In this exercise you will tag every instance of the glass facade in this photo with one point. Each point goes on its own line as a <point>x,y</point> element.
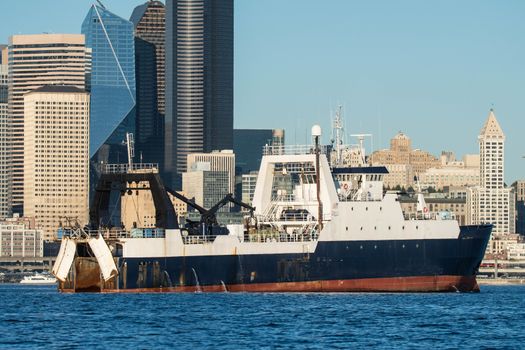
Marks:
<point>112,85</point>
<point>148,20</point>
<point>248,148</point>
<point>199,81</point>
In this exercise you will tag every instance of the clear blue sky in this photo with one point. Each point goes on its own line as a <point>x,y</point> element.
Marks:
<point>429,68</point>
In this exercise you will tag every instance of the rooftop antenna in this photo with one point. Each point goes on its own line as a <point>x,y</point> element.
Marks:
<point>361,139</point>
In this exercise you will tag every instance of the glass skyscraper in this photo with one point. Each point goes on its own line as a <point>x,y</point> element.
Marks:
<point>148,20</point>
<point>112,85</point>
<point>199,80</point>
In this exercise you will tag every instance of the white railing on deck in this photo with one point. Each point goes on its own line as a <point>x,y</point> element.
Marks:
<point>125,168</point>
<point>292,150</point>
<point>430,216</point>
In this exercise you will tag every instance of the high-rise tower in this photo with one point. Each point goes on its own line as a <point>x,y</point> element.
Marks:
<point>5,159</point>
<point>491,202</point>
<point>34,61</point>
<point>199,80</point>
<point>148,20</point>
<point>56,156</point>
<point>112,85</point>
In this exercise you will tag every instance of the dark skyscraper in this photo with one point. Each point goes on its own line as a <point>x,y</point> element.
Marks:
<point>199,80</point>
<point>148,20</point>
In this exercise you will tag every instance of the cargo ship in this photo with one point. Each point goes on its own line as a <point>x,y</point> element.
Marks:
<point>312,227</point>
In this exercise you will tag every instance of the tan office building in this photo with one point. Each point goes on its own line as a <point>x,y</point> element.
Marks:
<point>5,152</point>
<point>56,156</point>
<point>410,162</point>
<point>34,61</point>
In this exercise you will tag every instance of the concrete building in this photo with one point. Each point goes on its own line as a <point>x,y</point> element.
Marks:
<point>248,186</point>
<point>409,162</point>
<point>56,156</point>
<point>20,241</point>
<point>199,80</point>
<point>34,61</point>
<point>455,176</point>
<point>207,187</point>
<point>218,161</point>
<point>491,202</point>
<point>149,22</point>
<point>5,149</point>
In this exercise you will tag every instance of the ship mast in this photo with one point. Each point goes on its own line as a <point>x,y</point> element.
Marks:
<point>130,144</point>
<point>337,136</point>
<point>316,134</point>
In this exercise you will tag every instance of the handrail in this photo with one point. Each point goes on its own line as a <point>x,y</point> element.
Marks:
<point>125,168</point>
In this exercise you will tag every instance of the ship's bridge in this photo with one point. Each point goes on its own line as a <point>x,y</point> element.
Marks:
<point>288,191</point>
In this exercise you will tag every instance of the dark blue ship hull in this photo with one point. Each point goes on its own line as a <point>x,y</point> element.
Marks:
<point>386,265</point>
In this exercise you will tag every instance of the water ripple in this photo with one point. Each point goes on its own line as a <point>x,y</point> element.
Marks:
<point>41,318</point>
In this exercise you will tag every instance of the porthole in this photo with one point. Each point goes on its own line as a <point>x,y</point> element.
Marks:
<point>375,227</point>
<point>347,228</point>
<point>389,227</point>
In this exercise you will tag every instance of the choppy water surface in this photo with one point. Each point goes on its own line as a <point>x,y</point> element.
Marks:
<point>40,317</point>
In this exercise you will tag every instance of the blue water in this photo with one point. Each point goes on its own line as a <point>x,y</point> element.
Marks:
<point>40,317</point>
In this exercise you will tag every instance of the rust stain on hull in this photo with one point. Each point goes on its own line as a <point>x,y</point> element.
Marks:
<point>395,284</point>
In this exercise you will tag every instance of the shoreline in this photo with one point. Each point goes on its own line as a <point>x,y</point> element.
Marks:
<point>501,281</point>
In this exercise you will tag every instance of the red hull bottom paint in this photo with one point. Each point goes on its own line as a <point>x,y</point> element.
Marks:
<point>392,284</point>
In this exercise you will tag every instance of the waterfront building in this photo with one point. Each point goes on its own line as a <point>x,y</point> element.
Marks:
<point>56,156</point>
<point>199,80</point>
<point>491,202</point>
<point>439,178</point>
<point>409,162</point>
<point>148,20</point>
<point>34,61</point>
<point>112,86</point>
<point>248,186</point>
<point>5,153</point>
<point>519,190</point>
<point>206,187</point>
<point>218,161</point>
<point>19,240</point>
<point>399,176</point>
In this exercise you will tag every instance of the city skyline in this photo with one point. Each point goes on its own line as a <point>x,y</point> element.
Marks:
<point>435,83</point>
